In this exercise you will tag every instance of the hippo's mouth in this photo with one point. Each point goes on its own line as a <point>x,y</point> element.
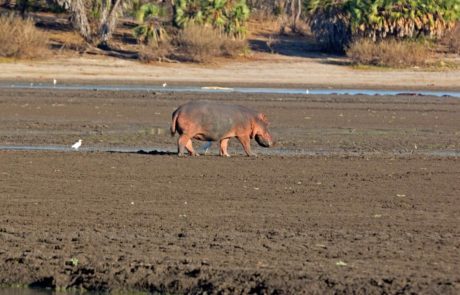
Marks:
<point>262,142</point>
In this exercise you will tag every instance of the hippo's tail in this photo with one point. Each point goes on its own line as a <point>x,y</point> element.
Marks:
<point>174,122</point>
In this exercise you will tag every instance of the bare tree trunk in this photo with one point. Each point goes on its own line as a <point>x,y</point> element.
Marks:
<point>292,10</point>
<point>108,22</point>
<point>297,16</point>
<point>79,19</point>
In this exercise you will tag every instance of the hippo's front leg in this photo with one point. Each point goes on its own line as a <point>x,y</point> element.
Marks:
<point>223,147</point>
<point>246,143</point>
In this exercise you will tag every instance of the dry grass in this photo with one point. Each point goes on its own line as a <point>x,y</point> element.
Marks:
<point>155,52</point>
<point>21,39</point>
<point>263,22</point>
<point>67,40</point>
<point>454,40</point>
<point>199,43</point>
<point>203,43</point>
<point>389,53</point>
<point>233,47</point>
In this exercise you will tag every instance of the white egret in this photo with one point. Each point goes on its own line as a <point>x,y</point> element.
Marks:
<point>76,145</point>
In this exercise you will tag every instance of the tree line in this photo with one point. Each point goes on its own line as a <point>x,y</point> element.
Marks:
<point>335,23</point>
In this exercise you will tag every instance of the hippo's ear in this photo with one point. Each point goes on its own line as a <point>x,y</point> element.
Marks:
<point>263,118</point>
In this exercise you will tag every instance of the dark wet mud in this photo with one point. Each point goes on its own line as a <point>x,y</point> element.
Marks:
<point>365,221</point>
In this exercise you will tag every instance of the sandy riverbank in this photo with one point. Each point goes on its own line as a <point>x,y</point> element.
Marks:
<point>260,70</point>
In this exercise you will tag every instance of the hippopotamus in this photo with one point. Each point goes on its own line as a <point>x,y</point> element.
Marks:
<point>215,121</point>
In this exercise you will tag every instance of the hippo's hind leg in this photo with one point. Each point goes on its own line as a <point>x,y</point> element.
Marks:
<point>246,143</point>
<point>184,142</point>
<point>223,147</point>
<point>181,142</point>
<point>190,148</point>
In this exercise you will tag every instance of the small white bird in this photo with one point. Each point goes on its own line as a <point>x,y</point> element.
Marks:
<point>76,145</point>
<point>164,84</point>
<point>307,92</point>
<point>54,82</point>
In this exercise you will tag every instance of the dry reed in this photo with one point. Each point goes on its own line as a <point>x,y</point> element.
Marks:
<point>20,38</point>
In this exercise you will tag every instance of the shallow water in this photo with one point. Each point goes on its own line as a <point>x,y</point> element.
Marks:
<point>277,151</point>
<point>216,89</point>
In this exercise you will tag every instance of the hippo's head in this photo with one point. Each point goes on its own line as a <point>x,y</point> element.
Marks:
<point>260,131</point>
<point>262,141</point>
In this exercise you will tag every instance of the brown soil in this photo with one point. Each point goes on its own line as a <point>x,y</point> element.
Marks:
<point>373,223</point>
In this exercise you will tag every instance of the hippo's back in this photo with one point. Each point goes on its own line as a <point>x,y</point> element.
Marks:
<point>203,106</point>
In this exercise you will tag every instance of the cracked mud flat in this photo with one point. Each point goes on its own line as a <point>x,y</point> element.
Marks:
<point>374,222</point>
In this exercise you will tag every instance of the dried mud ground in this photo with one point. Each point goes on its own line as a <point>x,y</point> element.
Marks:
<point>374,211</point>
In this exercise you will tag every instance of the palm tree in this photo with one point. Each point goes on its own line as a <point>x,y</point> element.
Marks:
<point>150,30</point>
<point>215,13</point>
<point>229,16</point>
<point>237,14</point>
<point>189,12</point>
<point>330,23</point>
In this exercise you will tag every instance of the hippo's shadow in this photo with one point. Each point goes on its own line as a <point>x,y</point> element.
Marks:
<point>152,152</point>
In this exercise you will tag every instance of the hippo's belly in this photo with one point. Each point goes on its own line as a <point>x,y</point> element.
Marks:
<point>214,127</point>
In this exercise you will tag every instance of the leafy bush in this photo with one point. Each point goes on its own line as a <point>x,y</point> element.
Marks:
<point>389,53</point>
<point>21,39</point>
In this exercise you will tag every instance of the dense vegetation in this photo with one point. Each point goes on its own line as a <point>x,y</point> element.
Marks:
<point>229,16</point>
<point>197,29</point>
<point>336,23</point>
